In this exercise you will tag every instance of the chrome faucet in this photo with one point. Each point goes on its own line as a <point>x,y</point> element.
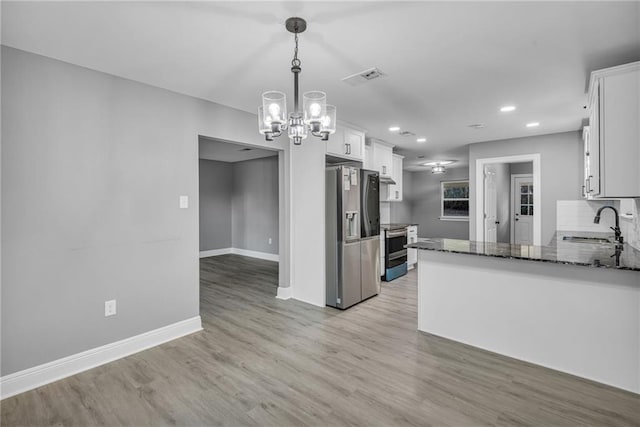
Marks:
<point>618,234</point>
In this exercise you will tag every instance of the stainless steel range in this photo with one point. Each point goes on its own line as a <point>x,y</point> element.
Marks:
<point>395,253</point>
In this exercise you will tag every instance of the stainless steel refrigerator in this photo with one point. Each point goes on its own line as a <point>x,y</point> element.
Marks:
<point>352,263</point>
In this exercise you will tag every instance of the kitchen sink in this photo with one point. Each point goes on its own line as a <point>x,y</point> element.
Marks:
<point>577,239</point>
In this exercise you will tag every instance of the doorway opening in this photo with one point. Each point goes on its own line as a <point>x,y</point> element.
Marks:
<point>508,200</point>
<point>239,199</point>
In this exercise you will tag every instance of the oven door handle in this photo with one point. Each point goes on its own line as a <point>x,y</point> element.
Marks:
<point>398,254</point>
<point>400,233</point>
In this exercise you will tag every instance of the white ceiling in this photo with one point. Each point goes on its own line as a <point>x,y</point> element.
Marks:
<point>222,151</point>
<point>449,64</point>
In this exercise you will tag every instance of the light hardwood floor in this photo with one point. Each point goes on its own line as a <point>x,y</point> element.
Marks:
<point>263,361</point>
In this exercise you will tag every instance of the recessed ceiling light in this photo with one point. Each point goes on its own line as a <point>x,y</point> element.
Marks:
<point>421,140</point>
<point>533,124</point>
<point>477,126</point>
<point>394,128</point>
<point>508,108</point>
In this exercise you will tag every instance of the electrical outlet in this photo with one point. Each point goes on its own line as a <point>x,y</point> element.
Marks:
<point>110,308</point>
<point>270,240</point>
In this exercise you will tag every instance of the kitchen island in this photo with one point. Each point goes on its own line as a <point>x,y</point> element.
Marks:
<point>573,307</point>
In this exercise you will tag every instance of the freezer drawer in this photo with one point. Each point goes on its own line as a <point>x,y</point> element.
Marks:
<point>370,267</point>
<point>349,292</point>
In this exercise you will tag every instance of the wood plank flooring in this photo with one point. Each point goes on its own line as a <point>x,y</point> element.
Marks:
<point>263,361</point>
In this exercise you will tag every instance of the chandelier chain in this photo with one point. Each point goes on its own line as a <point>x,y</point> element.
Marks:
<point>295,62</point>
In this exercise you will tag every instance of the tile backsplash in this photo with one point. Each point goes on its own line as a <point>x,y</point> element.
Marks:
<point>629,221</point>
<point>577,215</point>
<point>385,213</point>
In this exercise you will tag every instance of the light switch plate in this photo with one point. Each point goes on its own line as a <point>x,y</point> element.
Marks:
<point>109,308</point>
<point>184,202</point>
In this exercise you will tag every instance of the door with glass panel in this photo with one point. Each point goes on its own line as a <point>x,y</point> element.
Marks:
<point>522,196</point>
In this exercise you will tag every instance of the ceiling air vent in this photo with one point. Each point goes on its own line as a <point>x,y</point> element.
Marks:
<point>364,76</point>
<point>406,133</point>
<point>477,126</point>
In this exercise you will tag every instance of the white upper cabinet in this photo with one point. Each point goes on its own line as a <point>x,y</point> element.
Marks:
<point>395,190</point>
<point>382,158</point>
<point>612,144</point>
<point>347,143</point>
<point>368,158</point>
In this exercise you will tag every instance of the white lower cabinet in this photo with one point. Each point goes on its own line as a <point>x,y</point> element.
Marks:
<point>412,254</point>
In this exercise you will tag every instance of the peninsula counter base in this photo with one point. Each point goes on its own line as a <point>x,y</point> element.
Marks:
<point>581,320</point>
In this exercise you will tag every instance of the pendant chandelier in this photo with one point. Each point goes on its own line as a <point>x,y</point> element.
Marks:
<point>316,117</point>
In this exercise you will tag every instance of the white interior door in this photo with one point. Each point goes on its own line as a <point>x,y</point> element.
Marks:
<point>522,196</point>
<point>490,204</point>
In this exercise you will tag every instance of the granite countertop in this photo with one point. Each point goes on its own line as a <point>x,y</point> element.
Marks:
<point>558,251</point>
<point>395,226</point>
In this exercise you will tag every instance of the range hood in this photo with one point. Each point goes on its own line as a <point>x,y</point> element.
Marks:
<point>386,180</point>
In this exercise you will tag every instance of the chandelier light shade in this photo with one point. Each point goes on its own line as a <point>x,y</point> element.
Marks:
<point>316,117</point>
<point>438,169</point>
<point>264,123</point>
<point>314,105</point>
<point>328,125</point>
<point>274,104</point>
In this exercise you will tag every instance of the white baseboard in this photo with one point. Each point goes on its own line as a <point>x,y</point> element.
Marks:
<point>28,379</point>
<point>256,254</point>
<point>284,293</point>
<point>215,252</point>
<point>243,252</point>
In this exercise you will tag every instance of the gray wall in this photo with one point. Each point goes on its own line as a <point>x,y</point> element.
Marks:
<point>401,211</point>
<point>92,169</point>
<point>561,170</point>
<point>520,168</point>
<point>255,205</point>
<point>216,189</point>
<point>425,204</point>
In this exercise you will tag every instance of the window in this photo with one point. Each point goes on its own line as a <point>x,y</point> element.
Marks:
<point>454,196</point>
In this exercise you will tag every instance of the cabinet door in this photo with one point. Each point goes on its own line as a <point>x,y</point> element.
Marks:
<point>593,180</point>
<point>585,181</point>
<point>620,135</point>
<point>412,237</point>
<point>382,159</point>
<point>335,144</point>
<point>354,143</point>
<point>368,158</point>
<point>395,191</point>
